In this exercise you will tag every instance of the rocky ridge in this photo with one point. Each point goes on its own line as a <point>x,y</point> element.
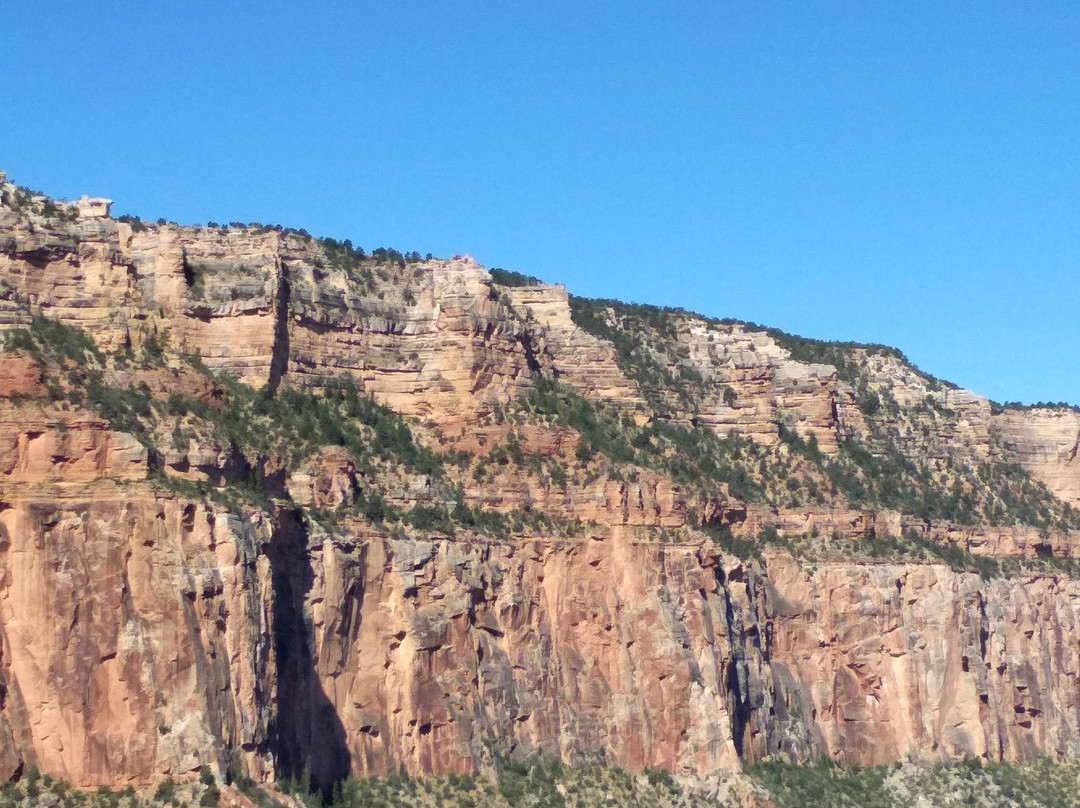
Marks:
<point>268,503</point>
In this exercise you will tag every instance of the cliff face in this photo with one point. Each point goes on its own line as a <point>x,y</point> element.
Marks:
<point>650,539</point>
<point>672,656</point>
<point>1045,442</point>
<point>134,626</point>
<point>430,339</point>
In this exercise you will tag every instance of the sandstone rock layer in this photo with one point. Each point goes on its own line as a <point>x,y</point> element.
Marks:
<point>146,630</point>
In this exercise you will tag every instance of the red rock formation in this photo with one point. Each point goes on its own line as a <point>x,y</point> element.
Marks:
<point>144,634</point>
<point>134,626</point>
<point>19,376</point>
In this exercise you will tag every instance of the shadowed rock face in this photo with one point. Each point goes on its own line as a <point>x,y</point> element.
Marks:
<point>307,732</point>
<point>143,634</point>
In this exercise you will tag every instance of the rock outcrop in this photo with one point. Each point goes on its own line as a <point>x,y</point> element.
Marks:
<point>1045,442</point>
<point>355,615</point>
<point>135,642</point>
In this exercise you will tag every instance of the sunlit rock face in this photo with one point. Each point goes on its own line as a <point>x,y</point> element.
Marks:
<point>1045,442</point>
<point>148,630</point>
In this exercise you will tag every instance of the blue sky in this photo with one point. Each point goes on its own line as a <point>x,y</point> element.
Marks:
<point>897,172</point>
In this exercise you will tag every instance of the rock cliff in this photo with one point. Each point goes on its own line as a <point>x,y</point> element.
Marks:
<point>269,503</point>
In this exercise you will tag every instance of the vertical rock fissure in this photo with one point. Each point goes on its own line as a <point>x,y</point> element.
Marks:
<point>984,633</point>
<point>531,360</point>
<point>187,269</point>
<point>737,678</point>
<point>279,357</point>
<point>307,737</point>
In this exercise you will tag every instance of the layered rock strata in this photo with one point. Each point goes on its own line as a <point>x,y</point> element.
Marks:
<point>134,631</point>
<point>1046,442</point>
<point>145,632</point>
<point>437,340</point>
<point>145,636</point>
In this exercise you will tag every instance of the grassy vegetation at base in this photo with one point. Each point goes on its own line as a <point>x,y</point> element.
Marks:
<point>519,786</point>
<point>33,789</point>
<point>1041,783</point>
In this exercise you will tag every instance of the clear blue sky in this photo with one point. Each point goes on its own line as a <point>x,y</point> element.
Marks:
<point>898,172</point>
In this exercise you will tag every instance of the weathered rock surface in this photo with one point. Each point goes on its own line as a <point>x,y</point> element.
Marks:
<point>138,651</point>
<point>574,357</point>
<point>134,639</point>
<point>924,662</point>
<point>19,376</point>
<point>1045,442</point>
<point>143,633</point>
<point>436,340</point>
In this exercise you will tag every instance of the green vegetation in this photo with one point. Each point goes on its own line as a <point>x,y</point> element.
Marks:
<point>271,434</point>
<point>264,429</point>
<point>212,794</point>
<point>690,456</point>
<point>386,255</point>
<point>645,339</point>
<point>24,200</point>
<point>588,313</point>
<point>518,785</point>
<point>16,200</point>
<point>987,492</point>
<point>839,354</point>
<point>33,788</point>
<point>293,424</point>
<point>195,278</point>
<point>997,408</point>
<point>268,435</point>
<point>740,547</point>
<point>824,784</point>
<point>961,490</point>
<point>869,403</point>
<point>352,260</point>
<point>51,341</point>
<point>343,254</point>
<point>137,224</point>
<point>908,548</point>
<point>1041,783</point>
<point>274,433</point>
<point>899,462</point>
<point>506,277</point>
<point>125,408</point>
<point>383,263</point>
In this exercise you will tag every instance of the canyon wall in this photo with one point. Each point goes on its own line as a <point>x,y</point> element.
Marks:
<point>147,629</point>
<point>134,625</point>
<point>439,341</point>
<point>144,636</point>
